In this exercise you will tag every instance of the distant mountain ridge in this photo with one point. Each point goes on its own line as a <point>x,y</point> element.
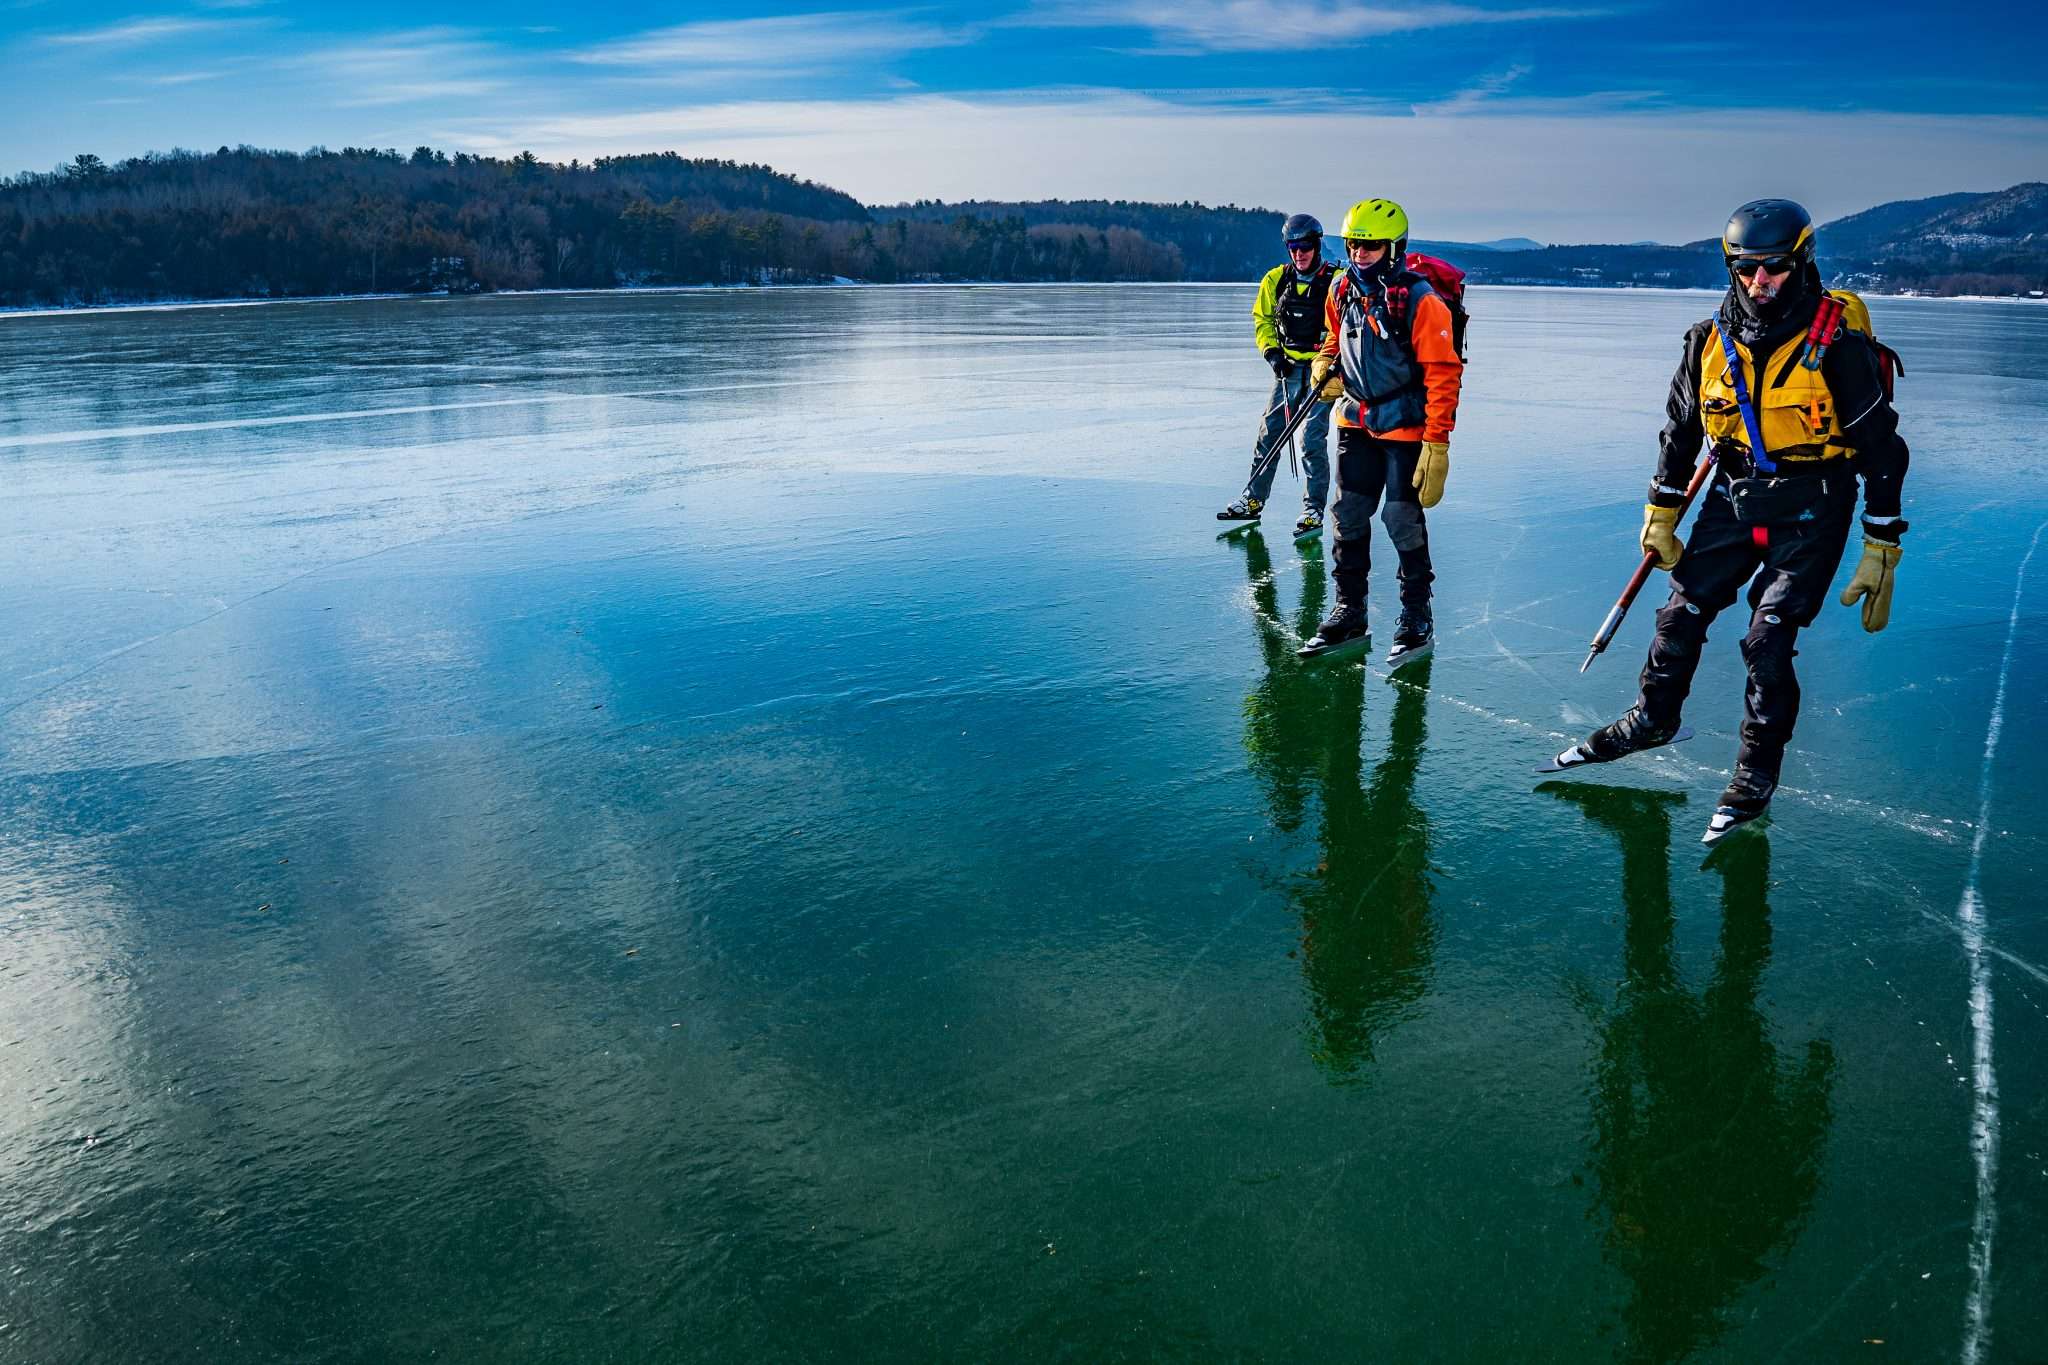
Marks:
<point>1969,243</point>
<point>1870,230</point>
<point>1995,243</point>
<point>1956,243</point>
<point>250,223</point>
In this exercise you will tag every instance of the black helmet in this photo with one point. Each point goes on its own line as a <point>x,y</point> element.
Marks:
<point>1302,227</point>
<point>1772,231</point>
<point>1769,227</point>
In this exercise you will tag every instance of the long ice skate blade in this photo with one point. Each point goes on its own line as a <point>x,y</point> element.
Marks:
<point>1727,823</point>
<point>1350,649</point>
<point>1312,534</point>
<point>1399,658</point>
<point>1238,529</point>
<point>1579,757</point>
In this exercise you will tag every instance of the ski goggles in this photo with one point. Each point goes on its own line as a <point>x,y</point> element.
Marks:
<point>1774,265</point>
<point>1305,244</point>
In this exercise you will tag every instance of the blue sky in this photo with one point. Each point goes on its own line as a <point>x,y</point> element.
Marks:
<point>1567,120</point>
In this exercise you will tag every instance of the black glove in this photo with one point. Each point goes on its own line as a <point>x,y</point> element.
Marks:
<point>1282,366</point>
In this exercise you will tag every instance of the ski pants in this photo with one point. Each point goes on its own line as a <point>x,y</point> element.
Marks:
<point>1373,474</point>
<point>1788,576</point>
<point>1288,396</point>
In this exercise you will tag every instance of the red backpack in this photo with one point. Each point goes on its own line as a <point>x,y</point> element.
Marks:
<point>1449,283</point>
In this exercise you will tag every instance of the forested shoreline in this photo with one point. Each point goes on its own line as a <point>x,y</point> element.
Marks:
<point>249,224</point>
<point>244,223</point>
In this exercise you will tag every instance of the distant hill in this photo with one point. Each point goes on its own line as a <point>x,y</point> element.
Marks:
<point>1226,243</point>
<point>244,222</point>
<point>1994,243</point>
<point>1860,234</point>
<point>1454,250</point>
<point>1697,266</point>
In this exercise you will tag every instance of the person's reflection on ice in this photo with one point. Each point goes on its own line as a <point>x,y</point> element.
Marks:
<point>1707,1142</point>
<point>1368,937</point>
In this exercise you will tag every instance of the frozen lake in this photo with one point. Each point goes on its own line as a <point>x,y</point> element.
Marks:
<point>767,825</point>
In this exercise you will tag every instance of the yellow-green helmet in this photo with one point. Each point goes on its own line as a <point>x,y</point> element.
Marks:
<point>1375,220</point>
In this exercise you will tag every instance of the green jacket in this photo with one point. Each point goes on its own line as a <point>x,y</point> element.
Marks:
<point>1307,304</point>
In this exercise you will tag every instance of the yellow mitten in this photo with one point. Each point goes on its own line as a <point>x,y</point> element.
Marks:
<point>1432,467</point>
<point>1872,583</point>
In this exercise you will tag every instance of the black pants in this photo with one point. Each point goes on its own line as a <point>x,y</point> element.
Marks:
<point>1788,579</point>
<point>1367,469</point>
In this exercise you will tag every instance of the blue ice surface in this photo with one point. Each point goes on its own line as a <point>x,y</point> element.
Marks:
<point>595,821</point>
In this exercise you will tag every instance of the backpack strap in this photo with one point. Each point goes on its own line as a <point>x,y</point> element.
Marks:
<point>1350,298</point>
<point>1758,454</point>
<point>1827,325</point>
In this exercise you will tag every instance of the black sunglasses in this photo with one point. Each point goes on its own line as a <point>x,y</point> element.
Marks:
<point>1369,243</point>
<point>1776,265</point>
<point>1303,246</point>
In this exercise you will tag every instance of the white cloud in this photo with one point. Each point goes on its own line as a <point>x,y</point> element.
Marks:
<point>416,92</point>
<point>136,32</point>
<point>1476,94</point>
<point>409,67</point>
<point>802,42</point>
<point>1201,26</point>
<point>1509,167</point>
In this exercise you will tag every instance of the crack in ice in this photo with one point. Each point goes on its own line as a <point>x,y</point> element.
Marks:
<point>1983,1071</point>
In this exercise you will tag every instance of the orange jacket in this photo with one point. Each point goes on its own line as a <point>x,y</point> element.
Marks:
<point>1442,372</point>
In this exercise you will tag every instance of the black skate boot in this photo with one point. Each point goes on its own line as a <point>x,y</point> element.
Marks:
<point>1343,629</point>
<point>1414,638</point>
<point>1631,734</point>
<point>1746,803</point>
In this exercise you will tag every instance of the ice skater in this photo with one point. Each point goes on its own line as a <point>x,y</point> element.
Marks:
<point>1793,394</point>
<point>1391,362</point>
<point>1287,326</point>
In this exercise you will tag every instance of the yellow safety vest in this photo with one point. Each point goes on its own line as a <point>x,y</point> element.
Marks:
<point>1793,404</point>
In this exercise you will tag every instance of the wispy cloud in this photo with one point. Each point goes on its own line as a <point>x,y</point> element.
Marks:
<point>136,32</point>
<point>796,42</point>
<point>1476,94</point>
<point>408,67</point>
<point>1204,26</point>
